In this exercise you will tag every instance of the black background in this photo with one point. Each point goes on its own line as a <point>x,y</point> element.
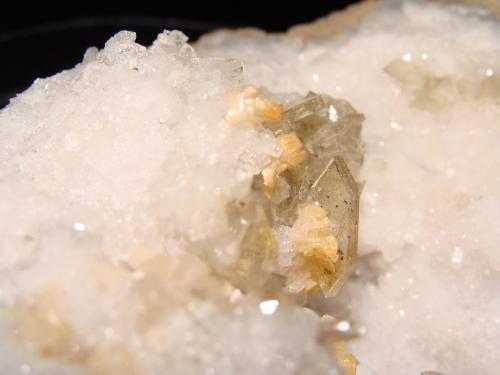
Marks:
<point>42,39</point>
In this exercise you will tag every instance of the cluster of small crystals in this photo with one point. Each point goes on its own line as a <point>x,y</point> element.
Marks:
<point>115,179</point>
<point>426,78</point>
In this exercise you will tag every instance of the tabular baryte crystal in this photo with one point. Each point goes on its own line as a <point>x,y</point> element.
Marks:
<point>324,180</point>
<point>309,221</point>
<point>329,127</point>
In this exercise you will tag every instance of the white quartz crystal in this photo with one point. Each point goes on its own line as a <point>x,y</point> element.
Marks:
<point>427,291</point>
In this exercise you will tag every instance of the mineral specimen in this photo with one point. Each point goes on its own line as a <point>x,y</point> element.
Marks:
<point>166,212</point>
<point>306,229</point>
<point>191,190</point>
<point>425,75</point>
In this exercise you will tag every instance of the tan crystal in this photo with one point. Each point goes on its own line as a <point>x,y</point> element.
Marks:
<point>159,286</point>
<point>247,107</point>
<point>347,361</point>
<point>292,156</point>
<point>312,235</point>
<point>315,247</point>
<point>40,325</point>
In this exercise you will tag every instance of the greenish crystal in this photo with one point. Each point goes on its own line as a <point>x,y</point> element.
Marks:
<point>330,131</point>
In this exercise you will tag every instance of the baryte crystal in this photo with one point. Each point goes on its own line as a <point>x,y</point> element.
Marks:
<point>338,193</point>
<point>328,127</point>
<point>324,178</point>
<point>312,199</point>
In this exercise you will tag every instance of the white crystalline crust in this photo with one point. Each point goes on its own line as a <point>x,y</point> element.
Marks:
<point>119,160</point>
<point>432,192</point>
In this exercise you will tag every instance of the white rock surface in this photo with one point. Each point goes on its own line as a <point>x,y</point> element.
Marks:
<point>109,172</point>
<point>431,201</point>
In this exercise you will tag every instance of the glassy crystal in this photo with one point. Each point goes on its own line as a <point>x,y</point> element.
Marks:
<point>325,135</point>
<point>308,198</point>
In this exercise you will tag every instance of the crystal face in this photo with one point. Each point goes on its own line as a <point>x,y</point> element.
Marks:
<point>303,208</point>
<point>329,127</point>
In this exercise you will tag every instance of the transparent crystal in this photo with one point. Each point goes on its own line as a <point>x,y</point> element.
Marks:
<point>330,132</point>
<point>325,136</point>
